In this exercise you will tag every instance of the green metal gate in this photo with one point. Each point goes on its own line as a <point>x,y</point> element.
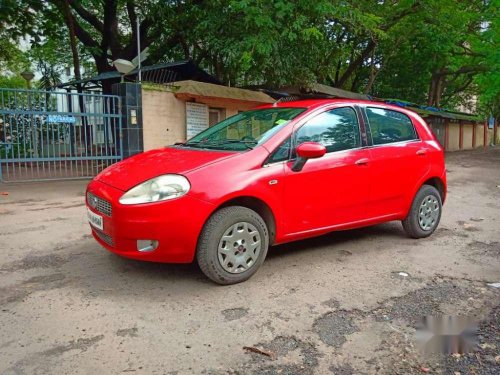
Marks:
<point>49,135</point>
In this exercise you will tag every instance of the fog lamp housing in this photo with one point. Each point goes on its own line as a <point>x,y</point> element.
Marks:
<point>145,246</point>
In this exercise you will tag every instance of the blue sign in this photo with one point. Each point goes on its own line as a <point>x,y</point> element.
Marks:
<point>61,119</point>
<point>491,122</point>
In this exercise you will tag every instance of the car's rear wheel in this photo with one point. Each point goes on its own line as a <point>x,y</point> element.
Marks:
<point>425,213</point>
<point>232,245</point>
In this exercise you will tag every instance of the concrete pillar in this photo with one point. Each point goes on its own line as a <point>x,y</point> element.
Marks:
<point>495,131</point>
<point>131,111</point>
<point>446,135</point>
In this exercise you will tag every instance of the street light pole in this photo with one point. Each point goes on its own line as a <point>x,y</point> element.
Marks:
<point>139,49</point>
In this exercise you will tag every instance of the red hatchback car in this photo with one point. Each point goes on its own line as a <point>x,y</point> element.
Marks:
<point>279,173</point>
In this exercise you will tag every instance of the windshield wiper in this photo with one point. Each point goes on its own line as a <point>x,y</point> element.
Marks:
<point>189,143</point>
<point>232,141</point>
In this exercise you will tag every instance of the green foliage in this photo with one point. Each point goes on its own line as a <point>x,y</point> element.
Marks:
<point>12,82</point>
<point>434,55</point>
<point>488,82</point>
<point>439,52</point>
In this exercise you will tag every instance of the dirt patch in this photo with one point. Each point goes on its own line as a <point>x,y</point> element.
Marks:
<point>333,327</point>
<point>468,226</point>
<point>344,369</point>
<point>21,201</point>
<point>41,209</point>
<point>332,303</point>
<point>445,232</point>
<point>234,314</point>
<point>484,360</point>
<point>35,261</point>
<point>294,357</point>
<point>73,205</point>
<point>25,230</point>
<point>131,332</point>
<point>426,301</point>
<point>481,361</point>
<point>82,344</point>
<point>19,292</point>
<point>491,249</point>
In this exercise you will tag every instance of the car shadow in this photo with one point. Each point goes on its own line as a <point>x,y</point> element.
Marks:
<point>94,271</point>
<point>334,240</point>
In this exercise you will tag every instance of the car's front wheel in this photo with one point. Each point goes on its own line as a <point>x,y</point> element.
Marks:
<point>232,245</point>
<point>425,213</point>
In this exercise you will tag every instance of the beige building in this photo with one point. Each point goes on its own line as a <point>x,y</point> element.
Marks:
<point>176,112</point>
<point>456,130</point>
<point>460,134</point>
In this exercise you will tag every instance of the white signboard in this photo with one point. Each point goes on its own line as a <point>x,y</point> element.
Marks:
<point>196,118</point>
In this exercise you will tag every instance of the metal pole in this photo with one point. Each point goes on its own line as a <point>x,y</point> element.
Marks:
<point>139,49</point>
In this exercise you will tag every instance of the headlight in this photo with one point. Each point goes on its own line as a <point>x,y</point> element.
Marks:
<point>157,189</point>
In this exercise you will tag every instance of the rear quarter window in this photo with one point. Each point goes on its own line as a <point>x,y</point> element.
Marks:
<point>387,126</point>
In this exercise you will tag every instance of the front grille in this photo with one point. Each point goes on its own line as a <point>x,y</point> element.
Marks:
<point>99,204</point>
<point>104,237</point>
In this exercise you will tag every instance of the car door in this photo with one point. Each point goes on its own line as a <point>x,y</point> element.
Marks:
<point>330,190</point>
<point>398,160</point>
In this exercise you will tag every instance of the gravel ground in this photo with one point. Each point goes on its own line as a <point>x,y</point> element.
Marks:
<point>336,304</point>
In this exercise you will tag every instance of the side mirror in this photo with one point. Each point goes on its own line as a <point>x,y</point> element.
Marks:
<point>305,151</point>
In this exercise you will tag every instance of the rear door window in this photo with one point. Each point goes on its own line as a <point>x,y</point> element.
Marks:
<point>387,126</point>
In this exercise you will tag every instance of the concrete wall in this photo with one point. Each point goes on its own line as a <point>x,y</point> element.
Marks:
<point>453,137</point>
<point>467,136</point>
<point>439,131</point>
<point>164,116</point>
<point>164,119</point>
<point>491,139</point>
<point>479,135</point>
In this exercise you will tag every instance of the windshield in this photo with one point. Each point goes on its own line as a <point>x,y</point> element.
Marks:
<point>244,130</point>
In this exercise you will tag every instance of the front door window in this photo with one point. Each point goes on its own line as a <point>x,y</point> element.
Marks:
<point>337,130</point>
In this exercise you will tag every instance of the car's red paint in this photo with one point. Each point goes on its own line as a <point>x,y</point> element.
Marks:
<point>177,228</point>
<point>142,167</point>
<point>336,181</point>
<point>311,150</point>
<point>341,190</point>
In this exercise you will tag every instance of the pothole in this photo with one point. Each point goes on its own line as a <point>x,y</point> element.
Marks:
<point>334,326</point>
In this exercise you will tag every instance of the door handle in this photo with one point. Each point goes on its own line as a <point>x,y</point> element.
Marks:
<point>363,161</point>
<point>422,152</point>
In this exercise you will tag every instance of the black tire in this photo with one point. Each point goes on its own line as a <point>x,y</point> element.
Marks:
<point>208,244</point>
<point>411,223</point>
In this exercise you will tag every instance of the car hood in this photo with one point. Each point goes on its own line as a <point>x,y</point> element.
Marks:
<point>141,167</point>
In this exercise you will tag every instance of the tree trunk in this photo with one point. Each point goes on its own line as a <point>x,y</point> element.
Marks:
<point>436,88</point>
<point>76,68</point>
<point>373,75</point>
<point>72,40</point>
<point>353,65</point>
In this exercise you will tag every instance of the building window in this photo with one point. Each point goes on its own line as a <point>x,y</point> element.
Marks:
<point>214,116</point>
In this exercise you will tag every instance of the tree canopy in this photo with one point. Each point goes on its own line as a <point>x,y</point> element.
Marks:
<point>435,52</point>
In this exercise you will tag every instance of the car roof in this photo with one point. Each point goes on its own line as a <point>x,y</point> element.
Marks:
<point>314,103</point>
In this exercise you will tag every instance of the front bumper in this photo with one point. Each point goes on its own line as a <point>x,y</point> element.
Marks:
<point>175,224</point>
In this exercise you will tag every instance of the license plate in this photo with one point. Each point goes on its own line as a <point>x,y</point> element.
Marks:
<point>94,219</point>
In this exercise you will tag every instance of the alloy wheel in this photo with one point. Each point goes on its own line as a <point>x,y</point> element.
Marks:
<point>428,213</point>
<point>239,247</point>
